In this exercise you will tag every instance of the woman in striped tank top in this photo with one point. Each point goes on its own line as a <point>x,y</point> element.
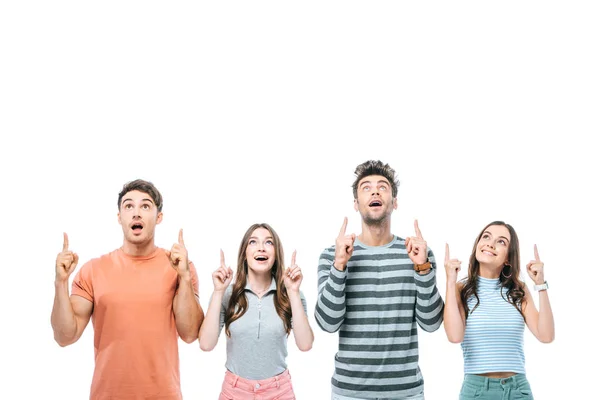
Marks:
<point>487,311</point>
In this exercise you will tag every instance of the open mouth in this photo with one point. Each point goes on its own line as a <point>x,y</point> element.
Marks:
<point>261,258</point>
<point>375,203</point>
<point>137,227</point>
<point>487,252</point>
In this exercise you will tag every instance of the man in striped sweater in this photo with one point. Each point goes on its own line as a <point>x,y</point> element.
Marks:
<point>374,289</point>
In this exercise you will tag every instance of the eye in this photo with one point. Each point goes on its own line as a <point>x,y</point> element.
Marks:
<point>502,242</point>
<point>485,236</point>
<point>269,242</point>
<point>145,206</point>
<point>383,188</point>
<point>128,206</point>
<point>252,241</point>
<point>366,188</point>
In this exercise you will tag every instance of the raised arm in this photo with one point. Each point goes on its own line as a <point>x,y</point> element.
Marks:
<point>186,306</point>
<point>70,315</point>
<point>429,308</point>
<point>331,302</point>
<point>454,314</point>
<point>215,316</point>
<point>541,323</point>
<point>303,333</point>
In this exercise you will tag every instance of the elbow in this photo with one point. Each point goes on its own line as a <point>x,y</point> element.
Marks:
<point>62,342</point>
<point>547,338</point>
<point>305,346</point>
<point>454,339</point>
<point>188,338</point>
<point>206,346</point>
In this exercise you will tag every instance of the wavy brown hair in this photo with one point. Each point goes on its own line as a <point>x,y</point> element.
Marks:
<point>238,303</point>
<point>509,277</point>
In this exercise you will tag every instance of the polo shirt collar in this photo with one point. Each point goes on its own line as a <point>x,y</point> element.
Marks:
<point>271,288</point>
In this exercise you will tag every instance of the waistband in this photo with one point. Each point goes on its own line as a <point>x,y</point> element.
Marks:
<point>491,383</point>
<point>257,386</point>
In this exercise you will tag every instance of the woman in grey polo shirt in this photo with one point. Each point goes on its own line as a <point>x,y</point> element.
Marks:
<point>257,312</point>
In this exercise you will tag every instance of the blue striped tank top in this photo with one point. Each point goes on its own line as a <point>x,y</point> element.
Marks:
<point>493,339</point>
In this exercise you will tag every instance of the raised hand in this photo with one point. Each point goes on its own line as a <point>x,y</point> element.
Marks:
<point>344,246</point>
<point>222,276</point>
<point>416,246</point>
<point>292,277</point>
<point>179,256</point>
<point>535,268</point>
<point>66,261</point>
<point>452,266</point>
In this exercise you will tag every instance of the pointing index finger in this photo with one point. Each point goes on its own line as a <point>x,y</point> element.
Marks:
<point>344,225</point>
<point>417,230</point>
<point>447,253</point>
<point>181,237</point>
<point>294,258</point>
<point>535,253</point>
<point>222,258</point>
<point>65,242</point>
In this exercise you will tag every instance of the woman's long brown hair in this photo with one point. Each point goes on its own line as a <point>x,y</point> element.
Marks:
<point>509,277</point>
<point>238,304</point>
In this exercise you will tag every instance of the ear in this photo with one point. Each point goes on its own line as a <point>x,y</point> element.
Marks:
<point>395,203</point>
<point>159,217</point>
<point>355,204</point>
<point>119,218</point>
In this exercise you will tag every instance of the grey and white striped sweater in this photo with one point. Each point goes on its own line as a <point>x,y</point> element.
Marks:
<point>376,304</point>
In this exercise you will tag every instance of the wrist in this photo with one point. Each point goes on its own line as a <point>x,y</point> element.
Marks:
<point>60,282</point>
<point>426,266</point>
<point>541,286</point>
<point>339,265</point>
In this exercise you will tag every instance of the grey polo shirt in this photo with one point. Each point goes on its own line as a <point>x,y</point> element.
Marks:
<point>257,348</point>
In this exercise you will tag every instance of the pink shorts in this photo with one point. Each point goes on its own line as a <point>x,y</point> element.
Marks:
<point>277,388</point>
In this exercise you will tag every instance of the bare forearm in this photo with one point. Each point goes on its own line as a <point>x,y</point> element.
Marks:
<point>209,332</point>
<point>187,310</point>
<point>453,322</point>
<point>64,323</point>
<point>545,319</point>
<point>303,334</point>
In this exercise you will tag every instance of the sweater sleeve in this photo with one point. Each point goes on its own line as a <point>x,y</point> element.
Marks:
<point>331,302</point>
<point>429,308</point>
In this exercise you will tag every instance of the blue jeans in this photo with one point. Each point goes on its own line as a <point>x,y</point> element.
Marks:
<point>478,387</point>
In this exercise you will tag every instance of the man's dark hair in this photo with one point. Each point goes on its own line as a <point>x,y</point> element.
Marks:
<point>375,167</point>
<point>144,187</point>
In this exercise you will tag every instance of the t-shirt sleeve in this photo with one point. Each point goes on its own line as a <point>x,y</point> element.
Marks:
<point>83,283</point>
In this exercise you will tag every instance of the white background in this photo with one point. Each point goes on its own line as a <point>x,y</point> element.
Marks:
<point>251,111</point>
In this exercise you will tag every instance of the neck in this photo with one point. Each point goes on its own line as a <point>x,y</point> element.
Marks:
<point>259,281</point>
<point>138,249</point>
<point>489,271</point>
<point>376,235</point>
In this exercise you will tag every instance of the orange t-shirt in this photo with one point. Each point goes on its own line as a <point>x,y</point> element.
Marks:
<point>135,337</point>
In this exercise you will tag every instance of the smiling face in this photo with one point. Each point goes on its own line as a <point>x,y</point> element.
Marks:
<point>260,251</point>
<point>493,246</point>
<point>374,199</point>
<point>138,217</point>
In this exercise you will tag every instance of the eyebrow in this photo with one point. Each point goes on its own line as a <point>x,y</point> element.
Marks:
<point>379,181</point>
<point>503,237</point>
<point>145,199</point>
<point>256,237</point>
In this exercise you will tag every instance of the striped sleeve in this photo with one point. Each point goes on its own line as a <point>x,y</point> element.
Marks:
<point>429,307</point>
<point>331,302</point>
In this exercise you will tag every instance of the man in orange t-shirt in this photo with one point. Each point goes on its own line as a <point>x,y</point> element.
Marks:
<point>140,297</point>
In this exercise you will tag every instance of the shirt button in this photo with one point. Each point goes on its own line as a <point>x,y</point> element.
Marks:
<point>257,386</point>
<point>503,381</point>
